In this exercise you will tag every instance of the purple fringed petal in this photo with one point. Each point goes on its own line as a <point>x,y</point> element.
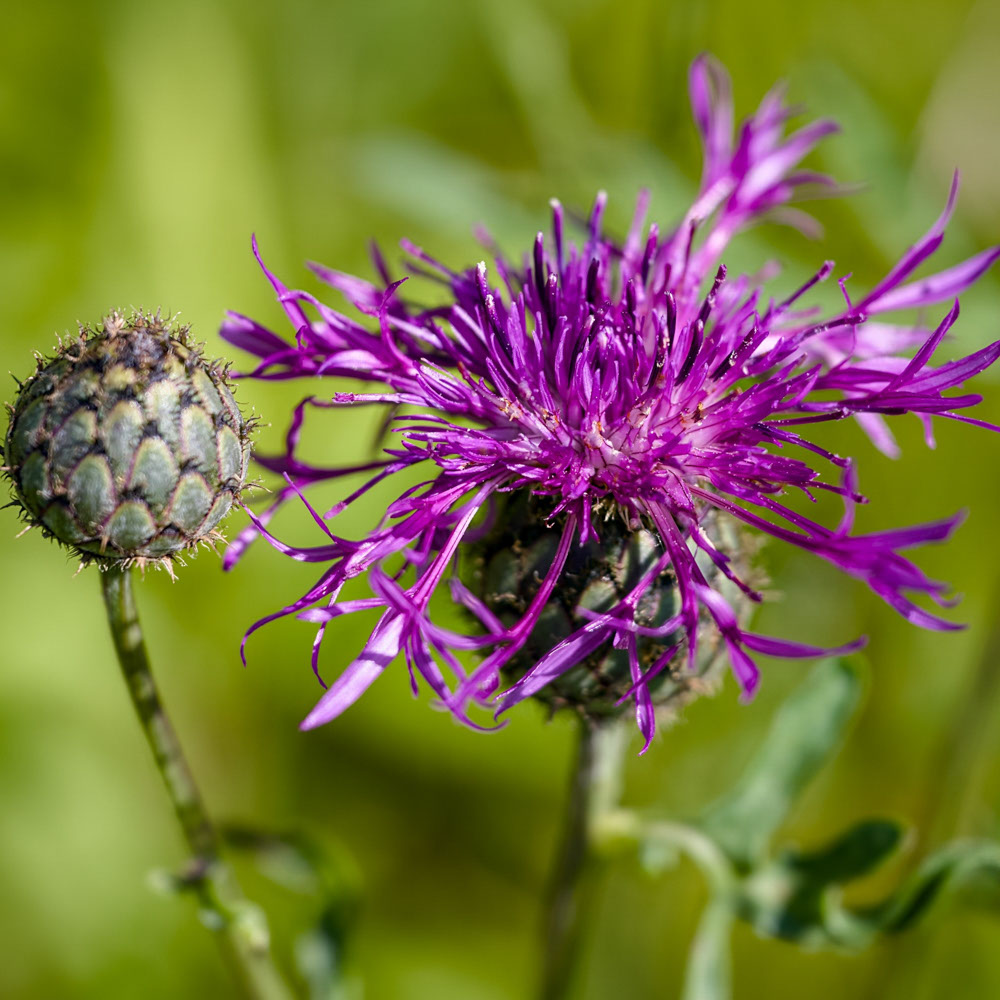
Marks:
<point>938,287</point>
<point>798,650</point>
<point>645,714</point>
<point>712,104</point>
<point>562,657</point>
<point>382,648</point>
<point>917,254</point>
<point>248,335</point>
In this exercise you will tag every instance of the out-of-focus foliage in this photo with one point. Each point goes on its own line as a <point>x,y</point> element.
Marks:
<point>327,884</point>
<point>140,145</point>
<point>786,892</point>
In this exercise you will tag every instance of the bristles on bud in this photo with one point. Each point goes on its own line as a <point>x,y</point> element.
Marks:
<point>126,445</point>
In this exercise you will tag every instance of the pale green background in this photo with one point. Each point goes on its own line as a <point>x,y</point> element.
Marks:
<point>140,145</point>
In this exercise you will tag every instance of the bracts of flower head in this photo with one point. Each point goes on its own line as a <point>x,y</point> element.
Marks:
<point>639,379</point>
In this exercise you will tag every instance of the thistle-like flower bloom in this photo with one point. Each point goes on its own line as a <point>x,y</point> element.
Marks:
<point>612,389</point>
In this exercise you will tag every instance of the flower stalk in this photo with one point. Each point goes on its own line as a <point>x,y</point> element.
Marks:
<point>238,925</point>
<point>594,793</point>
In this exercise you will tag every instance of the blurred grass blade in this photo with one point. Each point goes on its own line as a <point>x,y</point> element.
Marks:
<point>805,732</point>
<point>437,187</point>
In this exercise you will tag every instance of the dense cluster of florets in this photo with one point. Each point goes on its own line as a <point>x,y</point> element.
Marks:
<point>127,446</point>
<point>638,380</point>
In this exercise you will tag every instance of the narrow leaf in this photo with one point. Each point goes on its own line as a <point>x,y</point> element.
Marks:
<point>805,732</point>
<point>964,862</point>
<point>796,897</point>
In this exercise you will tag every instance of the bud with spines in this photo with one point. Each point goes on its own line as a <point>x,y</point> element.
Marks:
<point>126,445</point>
<point>510,563</point>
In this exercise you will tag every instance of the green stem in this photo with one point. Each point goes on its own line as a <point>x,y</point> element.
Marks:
<point>239,927</point>
<point>708,975</point>
<point>708,970</point>
<point>595,785</point>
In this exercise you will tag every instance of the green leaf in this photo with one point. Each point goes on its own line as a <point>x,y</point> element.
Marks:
<point>854,853</point>
<point>964,862</point>
<point>805,732</point>
<point>796,896</point>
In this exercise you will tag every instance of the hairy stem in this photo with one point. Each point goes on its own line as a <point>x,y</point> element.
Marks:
<point>594,790</point>
<point>238,925</point>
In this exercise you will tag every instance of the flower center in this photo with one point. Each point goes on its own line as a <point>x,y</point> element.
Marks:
<point>507,569</point>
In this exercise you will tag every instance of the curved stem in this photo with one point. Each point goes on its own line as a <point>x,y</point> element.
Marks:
<point>595,785</point>
<point>239,926</point>
<point>702,850</point>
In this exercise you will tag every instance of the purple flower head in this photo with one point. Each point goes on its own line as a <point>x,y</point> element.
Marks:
<point>637,381</point>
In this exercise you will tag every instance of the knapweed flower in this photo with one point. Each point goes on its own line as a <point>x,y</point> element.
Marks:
<point>601,427</point>
<point>127,446</point>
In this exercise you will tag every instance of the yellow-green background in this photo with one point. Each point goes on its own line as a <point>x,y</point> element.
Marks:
<point>140,145</point>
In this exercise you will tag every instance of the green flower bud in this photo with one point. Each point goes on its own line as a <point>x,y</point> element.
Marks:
<point>127,445</point>
<point>512,561</point>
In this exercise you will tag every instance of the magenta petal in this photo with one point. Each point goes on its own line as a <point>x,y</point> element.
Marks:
<point>381,650</point>
<point>562,657</point>
<point>938,287</point>
<point>795,650</point>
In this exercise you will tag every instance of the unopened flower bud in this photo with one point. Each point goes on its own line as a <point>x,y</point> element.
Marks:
<point>127,445</point>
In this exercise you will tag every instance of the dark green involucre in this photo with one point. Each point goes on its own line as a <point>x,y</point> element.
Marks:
<point>512,561</point>
<point>127,445</point>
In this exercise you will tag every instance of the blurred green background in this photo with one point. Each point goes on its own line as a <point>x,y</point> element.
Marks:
<point>140,145</point>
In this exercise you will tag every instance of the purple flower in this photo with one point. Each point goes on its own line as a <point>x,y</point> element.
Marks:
<point>640,379</point>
